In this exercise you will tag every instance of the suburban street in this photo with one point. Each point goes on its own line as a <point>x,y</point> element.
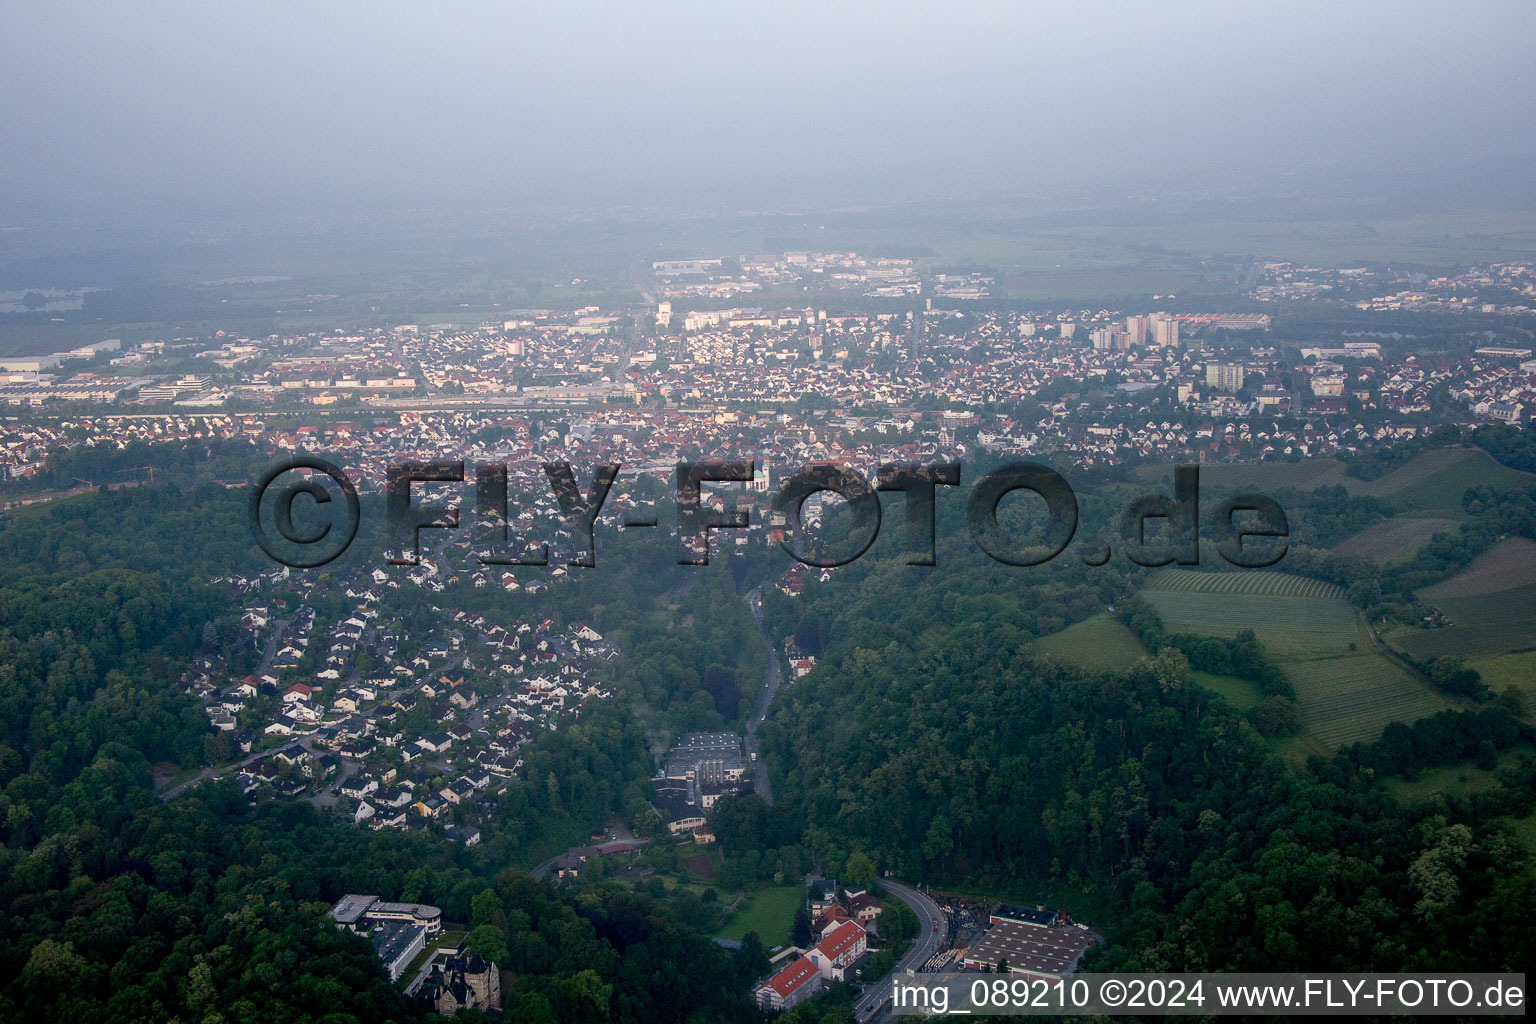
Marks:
<point>303,741</point>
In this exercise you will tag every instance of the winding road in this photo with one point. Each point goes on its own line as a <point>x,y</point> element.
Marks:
<point>930,940</point>
<point>771,674</point>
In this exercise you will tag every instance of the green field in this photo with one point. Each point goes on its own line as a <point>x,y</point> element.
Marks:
<point>1459,780</point>
<point>1097,644</point>
<point>1353,697</point>
<point>1346,691</point>
<point>1502,671</point>
<point>1249,583</point>
<point>1491,606</point>
<point>770,912</point>
<point>1507,566</point>
<point>1242,694</point>
<point>1437,479</point>
<point>1481,627</point>
<point>1431,481</point>
<point>1396,539</point>
<point>1292,615</point>
<point>1524,830</point>
<point>1242,476</point>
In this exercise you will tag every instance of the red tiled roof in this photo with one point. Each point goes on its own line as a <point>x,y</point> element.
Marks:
<point>792,977</point>
<point>840,941</point>
<point>829,915</point>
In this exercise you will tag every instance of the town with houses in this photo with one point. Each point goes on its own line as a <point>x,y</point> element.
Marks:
<point>790,385</point>
<point>309,722</point>
<point>393,727</point>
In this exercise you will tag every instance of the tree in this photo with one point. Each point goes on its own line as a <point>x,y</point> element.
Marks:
<point>581,998</point>
<point>487,942</point>
<point>940,843</point>
<point>534,1008</point>
<point>801,933</point>
<point>859,873</point>
<point>1275,716</point>
<point>485,909</point>
<point>753,958</point>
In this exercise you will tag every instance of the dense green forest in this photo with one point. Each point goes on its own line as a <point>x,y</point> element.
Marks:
<point>934,739</point>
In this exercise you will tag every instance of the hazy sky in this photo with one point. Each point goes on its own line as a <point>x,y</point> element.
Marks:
<point>254,105</point>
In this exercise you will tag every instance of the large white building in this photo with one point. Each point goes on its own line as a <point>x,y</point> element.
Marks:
<point>397,944</point>
<point>361,913</point>
<point>838,950</point>
<point>1224,376</point>
<point>1136,328</point>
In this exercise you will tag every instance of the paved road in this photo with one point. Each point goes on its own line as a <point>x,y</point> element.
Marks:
<point>760,783</point>
<point>279,630</point>
<point>544,867</point>
<point>929,941</point>
<point>210,773</point>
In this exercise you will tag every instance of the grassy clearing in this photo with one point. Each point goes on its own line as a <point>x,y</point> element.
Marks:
<point>1294,749</point>
<point>1502,671</point>
<point>1346,691</point>
<point>1457,780</point>
<point>1524,830</point>
<point>1242,694</point>
<point>770,912</point>
<point>1394,540</point>
<point>1097,644</point>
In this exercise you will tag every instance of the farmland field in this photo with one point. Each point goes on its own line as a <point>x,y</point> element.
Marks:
<point>1292,615</point>
<point>1346,691</point>
<point>1481,627</point>
<point>1437,479</point>
<point>1506,566</point>
<point>1394,539</point>
<point>1430,481</point>
<point>1097,644</point>
<point>1354,697</point>
<point>1491,606</point>
<point>1253,582</point>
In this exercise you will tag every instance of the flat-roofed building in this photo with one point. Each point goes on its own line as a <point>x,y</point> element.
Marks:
<point>1028,940</point>
<point>361,913</point>
<point>397,944</point>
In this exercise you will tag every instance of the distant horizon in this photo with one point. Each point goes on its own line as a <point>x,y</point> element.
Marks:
<point>227,114</point>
